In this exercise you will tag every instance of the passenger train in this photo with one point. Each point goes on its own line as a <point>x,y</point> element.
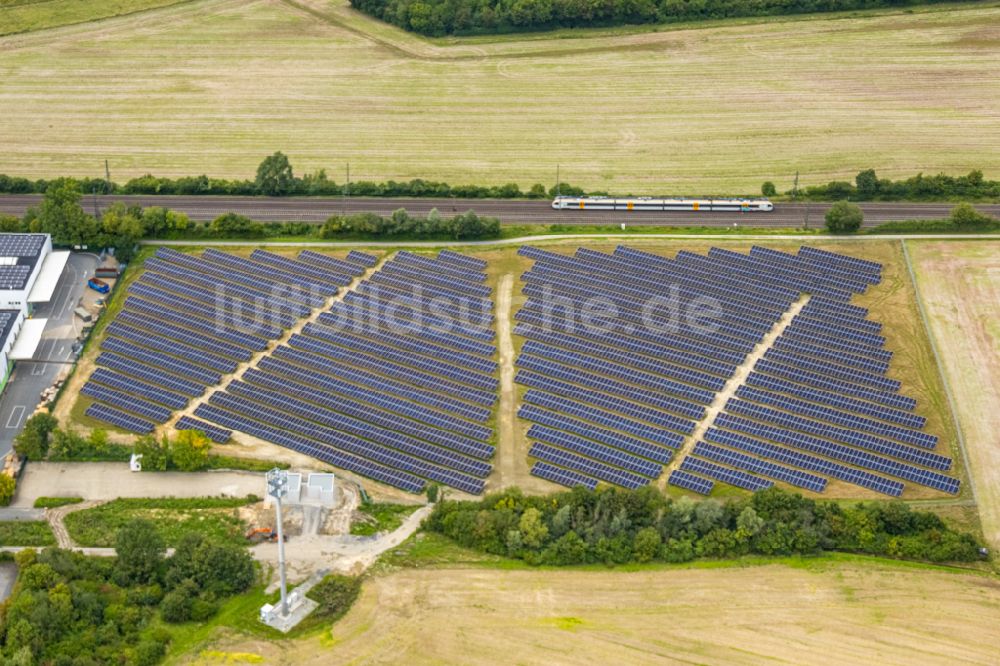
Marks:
<point>651,204</point>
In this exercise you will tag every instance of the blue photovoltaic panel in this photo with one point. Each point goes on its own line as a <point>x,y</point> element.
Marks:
<point>841,418</point>
<point>118,329</point>
<point>443,268</point>
<point>620,389</point>
<point>120,418</point>
<point>209,305</point>
<point>751,464</point>
<point>307,290</point>
<point>836,400</point>
<point>462,260</point>
<point>424,275</point>
<point>149,373</point>
<point>792,373</point>
<point>361,428</point>
<point>682,479</point>
<point>348,443</point>
<point>840,452</point>
<point>346,317</point>
<point>564,477</point>
<point>372,413</point>
<point>362,259</point>
<point>731,476</point>
<point>257,287</point>
<point>335,265</point>
<point>570,406</point>
<point>372,309</point>
<point>126,401</point>
<point>805,461</point>
<point>356,375</point>
<point>140,388</point>
<point>590,467</point>
<point>845,435</point>
<point>327,454</point>
<point>393,297</point>
<point>420,413</point>
<point>175,332</point>
<point>877,382</point>
<point>177,366</point>
<point>608,360</point>
<point>606,453</point>
<point>613,439</point>
<point>482,396</point>
<point>214,433</point>
<point>439,352</point>
<point>302,268</point>
<point>604,401</point>
<point>216,329</point>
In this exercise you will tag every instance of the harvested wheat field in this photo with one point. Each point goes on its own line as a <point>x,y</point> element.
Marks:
<point>211,86</point>
<point>821,613</point>
<point>959,284</point>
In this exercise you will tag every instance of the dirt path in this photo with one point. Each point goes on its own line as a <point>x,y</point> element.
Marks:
<point>343,553</point>
<point>959,287</point>
<point>57,517</point>
<point>507,457</point>
<point>732,385</point>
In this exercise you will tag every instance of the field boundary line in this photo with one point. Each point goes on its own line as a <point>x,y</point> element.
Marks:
<point>941,371</point>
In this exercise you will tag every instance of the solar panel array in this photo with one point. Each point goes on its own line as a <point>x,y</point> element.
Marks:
<point>189,320</point>
<point>817,406</point>
<point>390,383</point>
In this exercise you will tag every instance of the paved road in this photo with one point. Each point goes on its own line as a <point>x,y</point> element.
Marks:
<point>23,391</point>
<point>318,209</point>
<point>8,576</point>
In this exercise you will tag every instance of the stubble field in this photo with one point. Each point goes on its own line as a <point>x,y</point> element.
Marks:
<point>820,613</point>
<point>959,284</point>
<point>214,85</point>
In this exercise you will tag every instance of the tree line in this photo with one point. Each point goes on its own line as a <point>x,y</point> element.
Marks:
<point>867,186</point>
<point>275,177</point>
<point>476,17</point>
<point>122,226</point>
<point>67,608</point>
<point>615,526</point>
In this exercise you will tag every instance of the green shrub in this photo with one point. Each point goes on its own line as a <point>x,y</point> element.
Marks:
<point>7,488</point>
<point>844,217</point>
<point>53,502</point>
<point>335,594</point>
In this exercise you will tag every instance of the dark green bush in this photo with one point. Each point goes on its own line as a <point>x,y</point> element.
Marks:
<point>616,526</point>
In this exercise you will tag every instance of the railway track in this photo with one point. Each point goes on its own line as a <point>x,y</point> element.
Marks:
<point>509,211</point>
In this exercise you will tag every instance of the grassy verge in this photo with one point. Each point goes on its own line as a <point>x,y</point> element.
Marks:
<point>53,502</point>
<point>26,533</point>
<point>215,517</point>
<point>941,226</point>
<point>381,517</point>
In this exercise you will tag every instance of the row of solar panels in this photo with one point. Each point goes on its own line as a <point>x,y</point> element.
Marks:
<point>408,399</point>
<point>179,331</point>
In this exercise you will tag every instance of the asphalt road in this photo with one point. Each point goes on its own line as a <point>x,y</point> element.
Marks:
<point>25,386</point>
<point>509,211</point>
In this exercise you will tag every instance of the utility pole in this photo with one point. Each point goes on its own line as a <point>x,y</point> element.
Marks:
<point>347,188</point>
<point>107,175</point>
<point>558,184</point>
<point>277,487</point>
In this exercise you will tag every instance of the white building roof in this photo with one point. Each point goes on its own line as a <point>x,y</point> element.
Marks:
<point>48,276</point>
<point>27,340</point>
